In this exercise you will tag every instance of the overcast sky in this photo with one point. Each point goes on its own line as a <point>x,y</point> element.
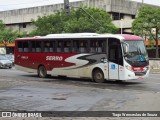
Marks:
<point>16,4</point>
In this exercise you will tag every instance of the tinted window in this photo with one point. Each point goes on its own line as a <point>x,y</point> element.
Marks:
<point>115,51</point>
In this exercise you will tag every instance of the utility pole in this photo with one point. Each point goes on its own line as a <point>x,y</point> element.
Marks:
<point>67,11</point>
<point>66,6</point>
<point>121,26</point>
<point>142,2</point>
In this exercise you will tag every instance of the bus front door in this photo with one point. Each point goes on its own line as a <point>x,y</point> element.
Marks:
<point>113,62</point>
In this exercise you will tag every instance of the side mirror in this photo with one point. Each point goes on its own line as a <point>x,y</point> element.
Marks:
<point>125,48</point>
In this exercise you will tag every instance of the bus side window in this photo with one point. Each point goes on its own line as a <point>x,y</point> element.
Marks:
<point>32,46</point>
<point>47,46</point>
<point>59,46</point>
<point>75,47</point>
<point>38,46</point>
<point>101,46</point>
<point>98,47</point>
<point>20,46</point>
<point>20,49</point>
<point>25,46</point>
<point>83,46</point>
<point>38,49</point>
<point>93,46</point>
<point>53,46</point>
<point>67,45</point>
<point>104,43</point>
<point>25,49</point>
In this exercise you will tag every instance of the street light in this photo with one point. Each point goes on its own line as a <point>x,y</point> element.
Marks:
<point>121,26</point>
<point>66,6</point>
<point>142,2</point>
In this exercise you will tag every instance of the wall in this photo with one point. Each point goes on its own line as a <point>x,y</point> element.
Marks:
<point>14,18</point>
<point>154,65</point>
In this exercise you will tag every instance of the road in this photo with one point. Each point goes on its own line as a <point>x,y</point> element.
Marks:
<point>25,91</point>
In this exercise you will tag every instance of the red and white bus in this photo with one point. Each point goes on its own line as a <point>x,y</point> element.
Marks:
<point>84,55</point>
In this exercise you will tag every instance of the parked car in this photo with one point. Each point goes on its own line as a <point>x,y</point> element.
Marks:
<point>10,57</point>
<point>5,62</point>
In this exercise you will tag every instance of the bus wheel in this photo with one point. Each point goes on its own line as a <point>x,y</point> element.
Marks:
<point>98,76</point>
<point>42,73</point>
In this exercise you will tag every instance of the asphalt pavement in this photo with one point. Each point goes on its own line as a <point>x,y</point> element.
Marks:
<point>21,91</point>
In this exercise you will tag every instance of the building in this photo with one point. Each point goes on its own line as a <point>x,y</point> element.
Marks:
<point>122,11</point>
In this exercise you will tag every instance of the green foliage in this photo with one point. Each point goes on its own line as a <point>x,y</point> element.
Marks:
<point>77,21</point>
<point>148,19</point>
<point>7,34</point>
<point>2,25</point>
<point>151,44</point>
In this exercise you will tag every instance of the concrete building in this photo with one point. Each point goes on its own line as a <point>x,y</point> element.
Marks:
<point>122,11</point>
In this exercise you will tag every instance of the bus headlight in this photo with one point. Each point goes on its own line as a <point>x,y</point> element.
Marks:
<point>128,68</point>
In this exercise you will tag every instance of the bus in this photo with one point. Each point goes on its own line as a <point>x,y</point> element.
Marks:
<point>99,57</point>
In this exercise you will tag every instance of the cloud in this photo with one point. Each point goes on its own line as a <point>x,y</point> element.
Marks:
<point>17,4</point>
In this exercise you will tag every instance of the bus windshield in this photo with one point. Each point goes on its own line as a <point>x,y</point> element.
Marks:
<point>137,52</point>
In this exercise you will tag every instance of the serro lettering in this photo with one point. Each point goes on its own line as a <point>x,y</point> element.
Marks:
<point>54,58</point>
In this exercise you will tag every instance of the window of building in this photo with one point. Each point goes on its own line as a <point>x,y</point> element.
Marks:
<point>117,16</point>
<point>133,16</point>
<point>24,25</point>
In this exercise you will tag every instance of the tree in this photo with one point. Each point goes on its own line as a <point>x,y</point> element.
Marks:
<point>7,35</point>
<point>148,19</point>
<point>2,25</point>
<point>76,21</point>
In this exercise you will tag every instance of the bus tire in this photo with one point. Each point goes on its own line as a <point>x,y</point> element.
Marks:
<point>98,76</point>
<point>42,73</point>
